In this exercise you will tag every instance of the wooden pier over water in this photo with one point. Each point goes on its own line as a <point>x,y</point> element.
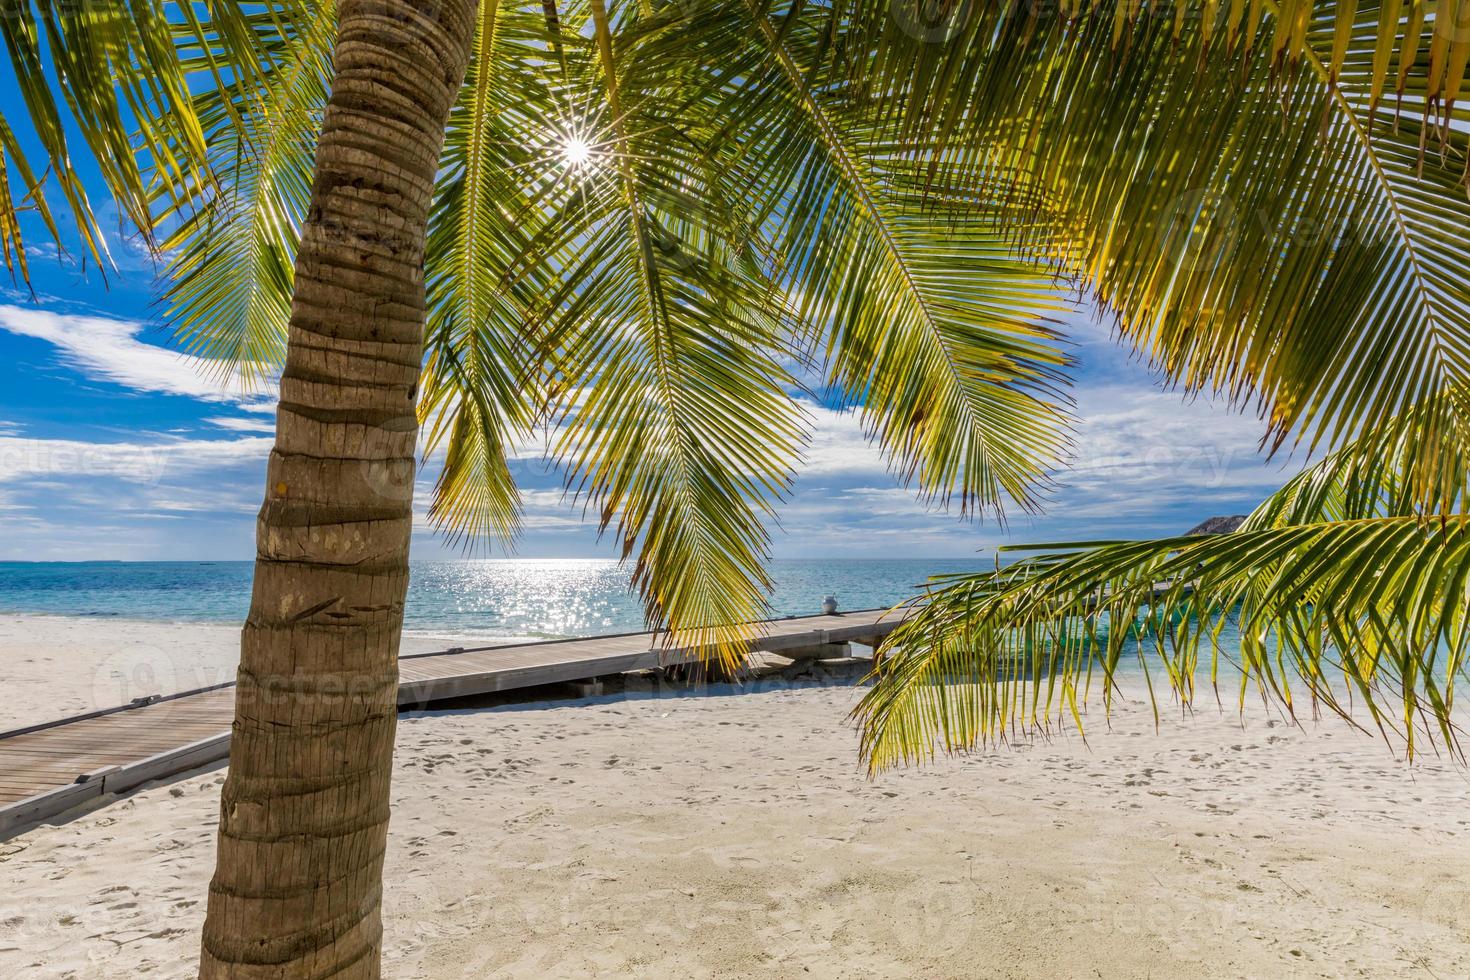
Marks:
<point>48,769</point>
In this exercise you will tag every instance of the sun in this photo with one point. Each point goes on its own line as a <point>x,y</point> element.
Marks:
<point>576,152</point>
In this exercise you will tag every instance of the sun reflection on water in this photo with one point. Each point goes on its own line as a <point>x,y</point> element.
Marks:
<point>524,597</point>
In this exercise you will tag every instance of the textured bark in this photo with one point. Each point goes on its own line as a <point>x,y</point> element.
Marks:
<point>304,812</point>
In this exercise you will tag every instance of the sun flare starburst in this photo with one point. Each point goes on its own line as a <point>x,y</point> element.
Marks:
<point>576,152</point>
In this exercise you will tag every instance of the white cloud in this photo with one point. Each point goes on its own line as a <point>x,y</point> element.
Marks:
<point>839,446</point>
<point>242,425</point>
<point>1134,445</point>
<point>109,350</point>
<point>70,499</point>
<point>1147,462</point>
<point>1143,443</point>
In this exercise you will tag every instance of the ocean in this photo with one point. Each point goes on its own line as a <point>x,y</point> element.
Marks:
<point>485,599</point>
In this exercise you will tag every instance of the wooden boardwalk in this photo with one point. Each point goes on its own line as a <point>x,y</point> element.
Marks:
<point>48,769</point>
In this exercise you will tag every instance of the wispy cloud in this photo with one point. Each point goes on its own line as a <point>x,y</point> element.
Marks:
<point>106,349</point>
<point>839,446</point>
<point>150,497</point>
<point>1140,442</point>
<point>241,425</point>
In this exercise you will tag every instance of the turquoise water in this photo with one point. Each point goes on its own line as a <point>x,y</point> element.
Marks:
<point>492,598</point>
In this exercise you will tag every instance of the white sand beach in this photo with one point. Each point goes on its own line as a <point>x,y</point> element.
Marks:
<point>735,835</point>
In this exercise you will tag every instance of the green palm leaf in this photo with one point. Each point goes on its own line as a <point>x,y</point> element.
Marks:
<point>489,288</point>
<point>1256,226</point>
<point>231,250</point>
<point>677,424</point>
<point>930,323</point>
<point>124,75</point>
<point>1373,608</point>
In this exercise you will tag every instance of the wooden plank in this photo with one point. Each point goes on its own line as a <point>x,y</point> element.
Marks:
<point>23,789</point>
<point>52,772</point>
<point>15,796</point>
<point>86,741</point>
<point>42,805</point>
<point>105,756</point>
<point>50,775</point>
<point>87,735</point>
<point>182,759</point>
<point>145,723</point>
<point>18,791</point>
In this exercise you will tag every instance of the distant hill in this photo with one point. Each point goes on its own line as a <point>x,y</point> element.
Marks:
<point>1218,525</point>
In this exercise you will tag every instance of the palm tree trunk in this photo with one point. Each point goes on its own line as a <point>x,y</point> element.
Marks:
<point>304,813</point>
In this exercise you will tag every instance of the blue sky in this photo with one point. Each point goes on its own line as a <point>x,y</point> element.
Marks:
<point>115,446</point>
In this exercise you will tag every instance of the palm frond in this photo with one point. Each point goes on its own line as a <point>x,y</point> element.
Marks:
<point>12,234</point>
<point>1372,611</point>
<point>121,74</point>
<point>475,495</point>
<point>932,325</point>
<point>1242,201</point>
<point>489,289</point>
<point>1262,228</point>
<point>677,425</point>
<point>232,245</point>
